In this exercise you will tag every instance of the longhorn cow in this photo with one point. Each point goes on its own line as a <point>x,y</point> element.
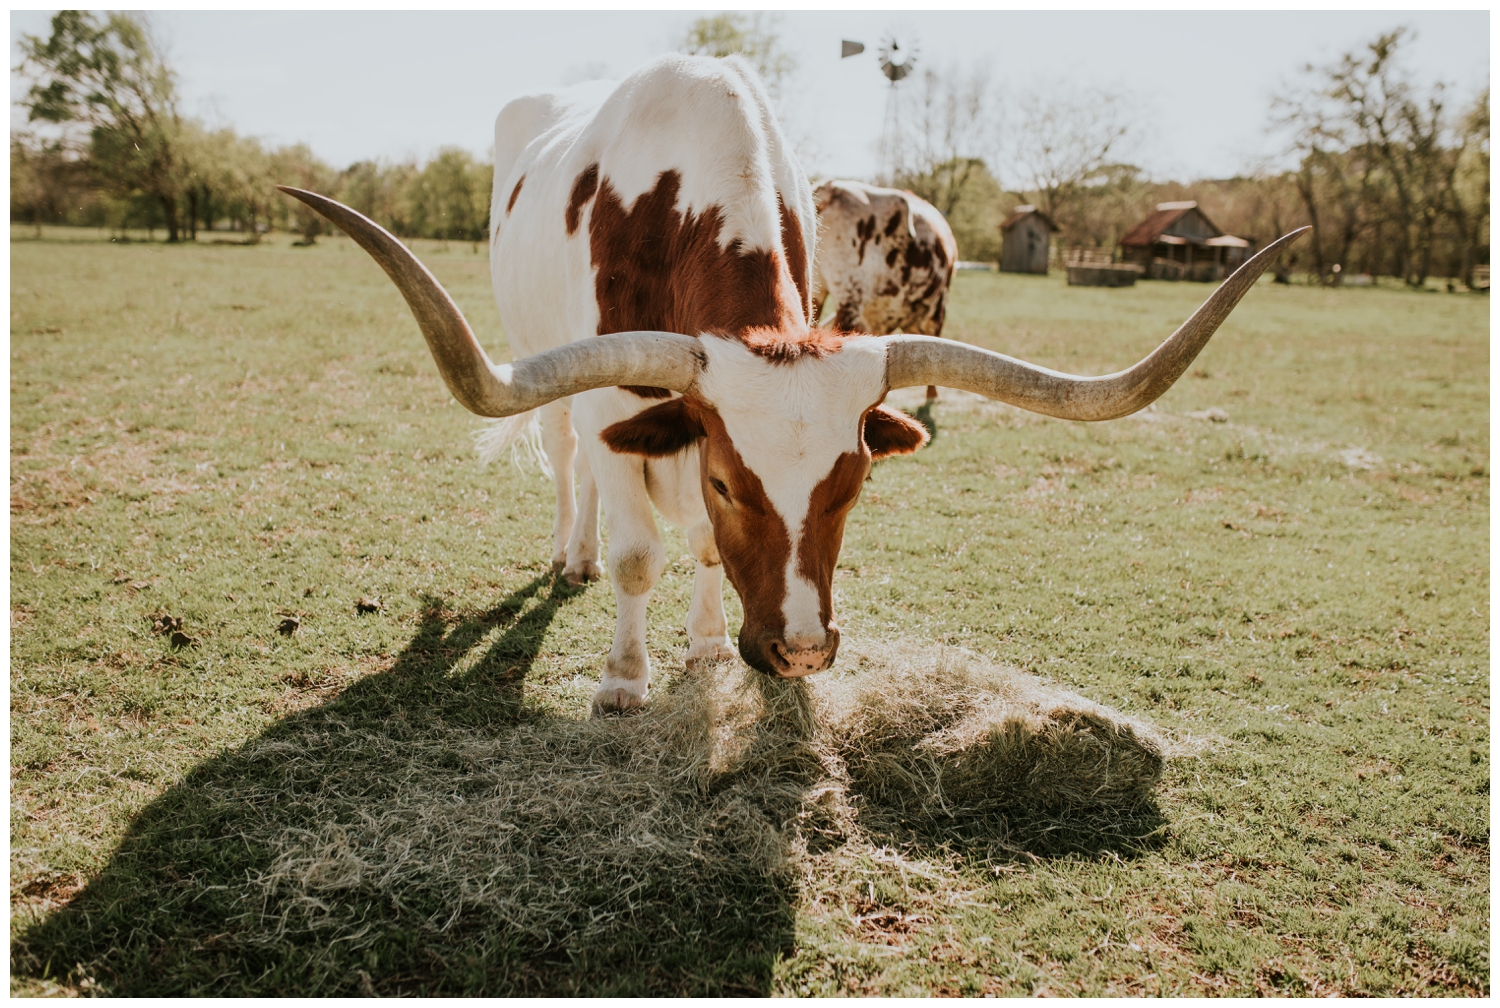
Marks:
<point>651,253</point>
<point>886,259</point>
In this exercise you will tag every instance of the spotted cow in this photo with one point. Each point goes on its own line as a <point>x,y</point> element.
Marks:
<point>887,258</point>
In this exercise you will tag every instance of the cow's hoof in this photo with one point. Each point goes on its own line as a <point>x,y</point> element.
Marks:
<point>583,572</point>
<point>707,654</point>
<point>615,701</point>
<point>558,565</point>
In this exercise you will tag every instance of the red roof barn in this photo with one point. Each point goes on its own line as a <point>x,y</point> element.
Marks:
<point>1179,242</point>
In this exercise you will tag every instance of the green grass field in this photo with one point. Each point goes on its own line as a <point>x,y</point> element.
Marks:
<point>238,437</point>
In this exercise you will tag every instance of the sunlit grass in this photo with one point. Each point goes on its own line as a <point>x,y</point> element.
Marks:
<point>241,436</point>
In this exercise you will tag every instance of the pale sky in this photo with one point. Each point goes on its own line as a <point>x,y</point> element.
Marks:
<point>391,85</point>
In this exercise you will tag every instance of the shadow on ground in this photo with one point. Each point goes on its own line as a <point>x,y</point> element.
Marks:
<point>425,832</point>
<point>429,832</point>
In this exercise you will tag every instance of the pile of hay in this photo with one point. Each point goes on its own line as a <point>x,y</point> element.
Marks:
<point>683,824</point>
<point>942,733</point>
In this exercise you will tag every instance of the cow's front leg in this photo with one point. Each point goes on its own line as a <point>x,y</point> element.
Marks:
<point>708,630</point>
<point>636,559</point>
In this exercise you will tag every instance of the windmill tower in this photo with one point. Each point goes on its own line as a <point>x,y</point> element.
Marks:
<point>896,62</point>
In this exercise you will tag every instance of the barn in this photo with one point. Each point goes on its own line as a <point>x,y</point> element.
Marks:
<point>1026,240</point>
<point>1179,242</point>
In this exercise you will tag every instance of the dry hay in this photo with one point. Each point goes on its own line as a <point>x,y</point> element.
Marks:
<point>683,824</point>
<point>940,732</point>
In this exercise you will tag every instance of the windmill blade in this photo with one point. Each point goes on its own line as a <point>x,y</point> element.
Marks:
<point>849,48</point>
<point>896,62</point>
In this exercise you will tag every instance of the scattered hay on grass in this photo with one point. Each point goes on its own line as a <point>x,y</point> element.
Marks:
<point>690,815</point>
<point>664,852</point>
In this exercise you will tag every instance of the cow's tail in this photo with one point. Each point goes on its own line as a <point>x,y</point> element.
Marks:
<point>521,433</point>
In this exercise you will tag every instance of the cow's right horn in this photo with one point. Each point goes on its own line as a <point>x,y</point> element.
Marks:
<point>655,359</point>
<point>928,360</point>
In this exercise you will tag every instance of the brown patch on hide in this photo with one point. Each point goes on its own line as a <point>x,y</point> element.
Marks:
<point>915,256</point>
<point>511,203</point>
<point>796,254</point>
<point>892,224</point>
<point>864,230</point>
<point>659,269</point>
<point>781,347</point>
<point>657,432</point>
<point>823,528</point>
<point>752,538</point>
<point>584,187</point>
<point>890,432</point>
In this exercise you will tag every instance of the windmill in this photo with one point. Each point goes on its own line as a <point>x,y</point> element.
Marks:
<point>896,63</point>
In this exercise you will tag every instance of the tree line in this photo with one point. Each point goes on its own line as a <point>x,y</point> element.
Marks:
<point>1394,180</point>
<point>114,150</point>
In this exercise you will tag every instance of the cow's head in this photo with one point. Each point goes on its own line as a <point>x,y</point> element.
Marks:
<point>785,441</point>
<point>786,425</point>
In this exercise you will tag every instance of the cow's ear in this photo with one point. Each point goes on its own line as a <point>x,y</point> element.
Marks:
<point>891,432</point>
<point>664,429</point>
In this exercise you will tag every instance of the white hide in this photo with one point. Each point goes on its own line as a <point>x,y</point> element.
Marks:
<point>790,423</point>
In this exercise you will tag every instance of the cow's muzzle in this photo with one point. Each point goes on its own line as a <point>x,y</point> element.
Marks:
<point>789,657</point>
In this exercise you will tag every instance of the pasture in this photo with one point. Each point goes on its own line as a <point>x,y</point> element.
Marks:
<point>286,795</point>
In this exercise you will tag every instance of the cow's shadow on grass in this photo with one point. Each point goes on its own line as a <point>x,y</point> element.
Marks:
<point>430,831</point>
<point>426,831</point>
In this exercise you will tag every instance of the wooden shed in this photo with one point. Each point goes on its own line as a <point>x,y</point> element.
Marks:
<point>1026,240</point>
<point>1179,242</point>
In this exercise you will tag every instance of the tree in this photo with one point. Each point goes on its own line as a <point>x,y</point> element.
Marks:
<point>47,183</point>
<point>298,166</point>
<point>1062,140</point>
<point>450,198</point>
<point>108,78</point>
<point>1379,158</point>
<point>752,36</point>
<point>1105,205</point>
<point>1469,185</point>
<point>949,136</point>
<point>951,118</point>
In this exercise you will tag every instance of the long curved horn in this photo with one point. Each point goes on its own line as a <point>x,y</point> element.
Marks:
<point>927,360</point>
<point>655,359</point>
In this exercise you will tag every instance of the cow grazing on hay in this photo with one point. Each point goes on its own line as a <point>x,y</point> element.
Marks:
<point>886,256</point>
<point>652,256</point>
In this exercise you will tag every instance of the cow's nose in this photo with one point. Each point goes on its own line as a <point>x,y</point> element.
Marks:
<point>804,655</point>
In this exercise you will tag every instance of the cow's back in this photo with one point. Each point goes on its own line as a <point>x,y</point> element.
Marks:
<point>886,259</point>
<point>643,208</point>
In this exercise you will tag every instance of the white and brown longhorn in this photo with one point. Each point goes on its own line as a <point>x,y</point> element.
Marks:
<point>651,257</point>
<point>886,258</point>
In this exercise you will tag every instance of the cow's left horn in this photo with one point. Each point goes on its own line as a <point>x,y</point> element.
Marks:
<point>654,359</point>
<point>927,360</point>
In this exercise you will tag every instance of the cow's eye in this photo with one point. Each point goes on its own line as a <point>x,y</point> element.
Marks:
<point>719,487</point>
